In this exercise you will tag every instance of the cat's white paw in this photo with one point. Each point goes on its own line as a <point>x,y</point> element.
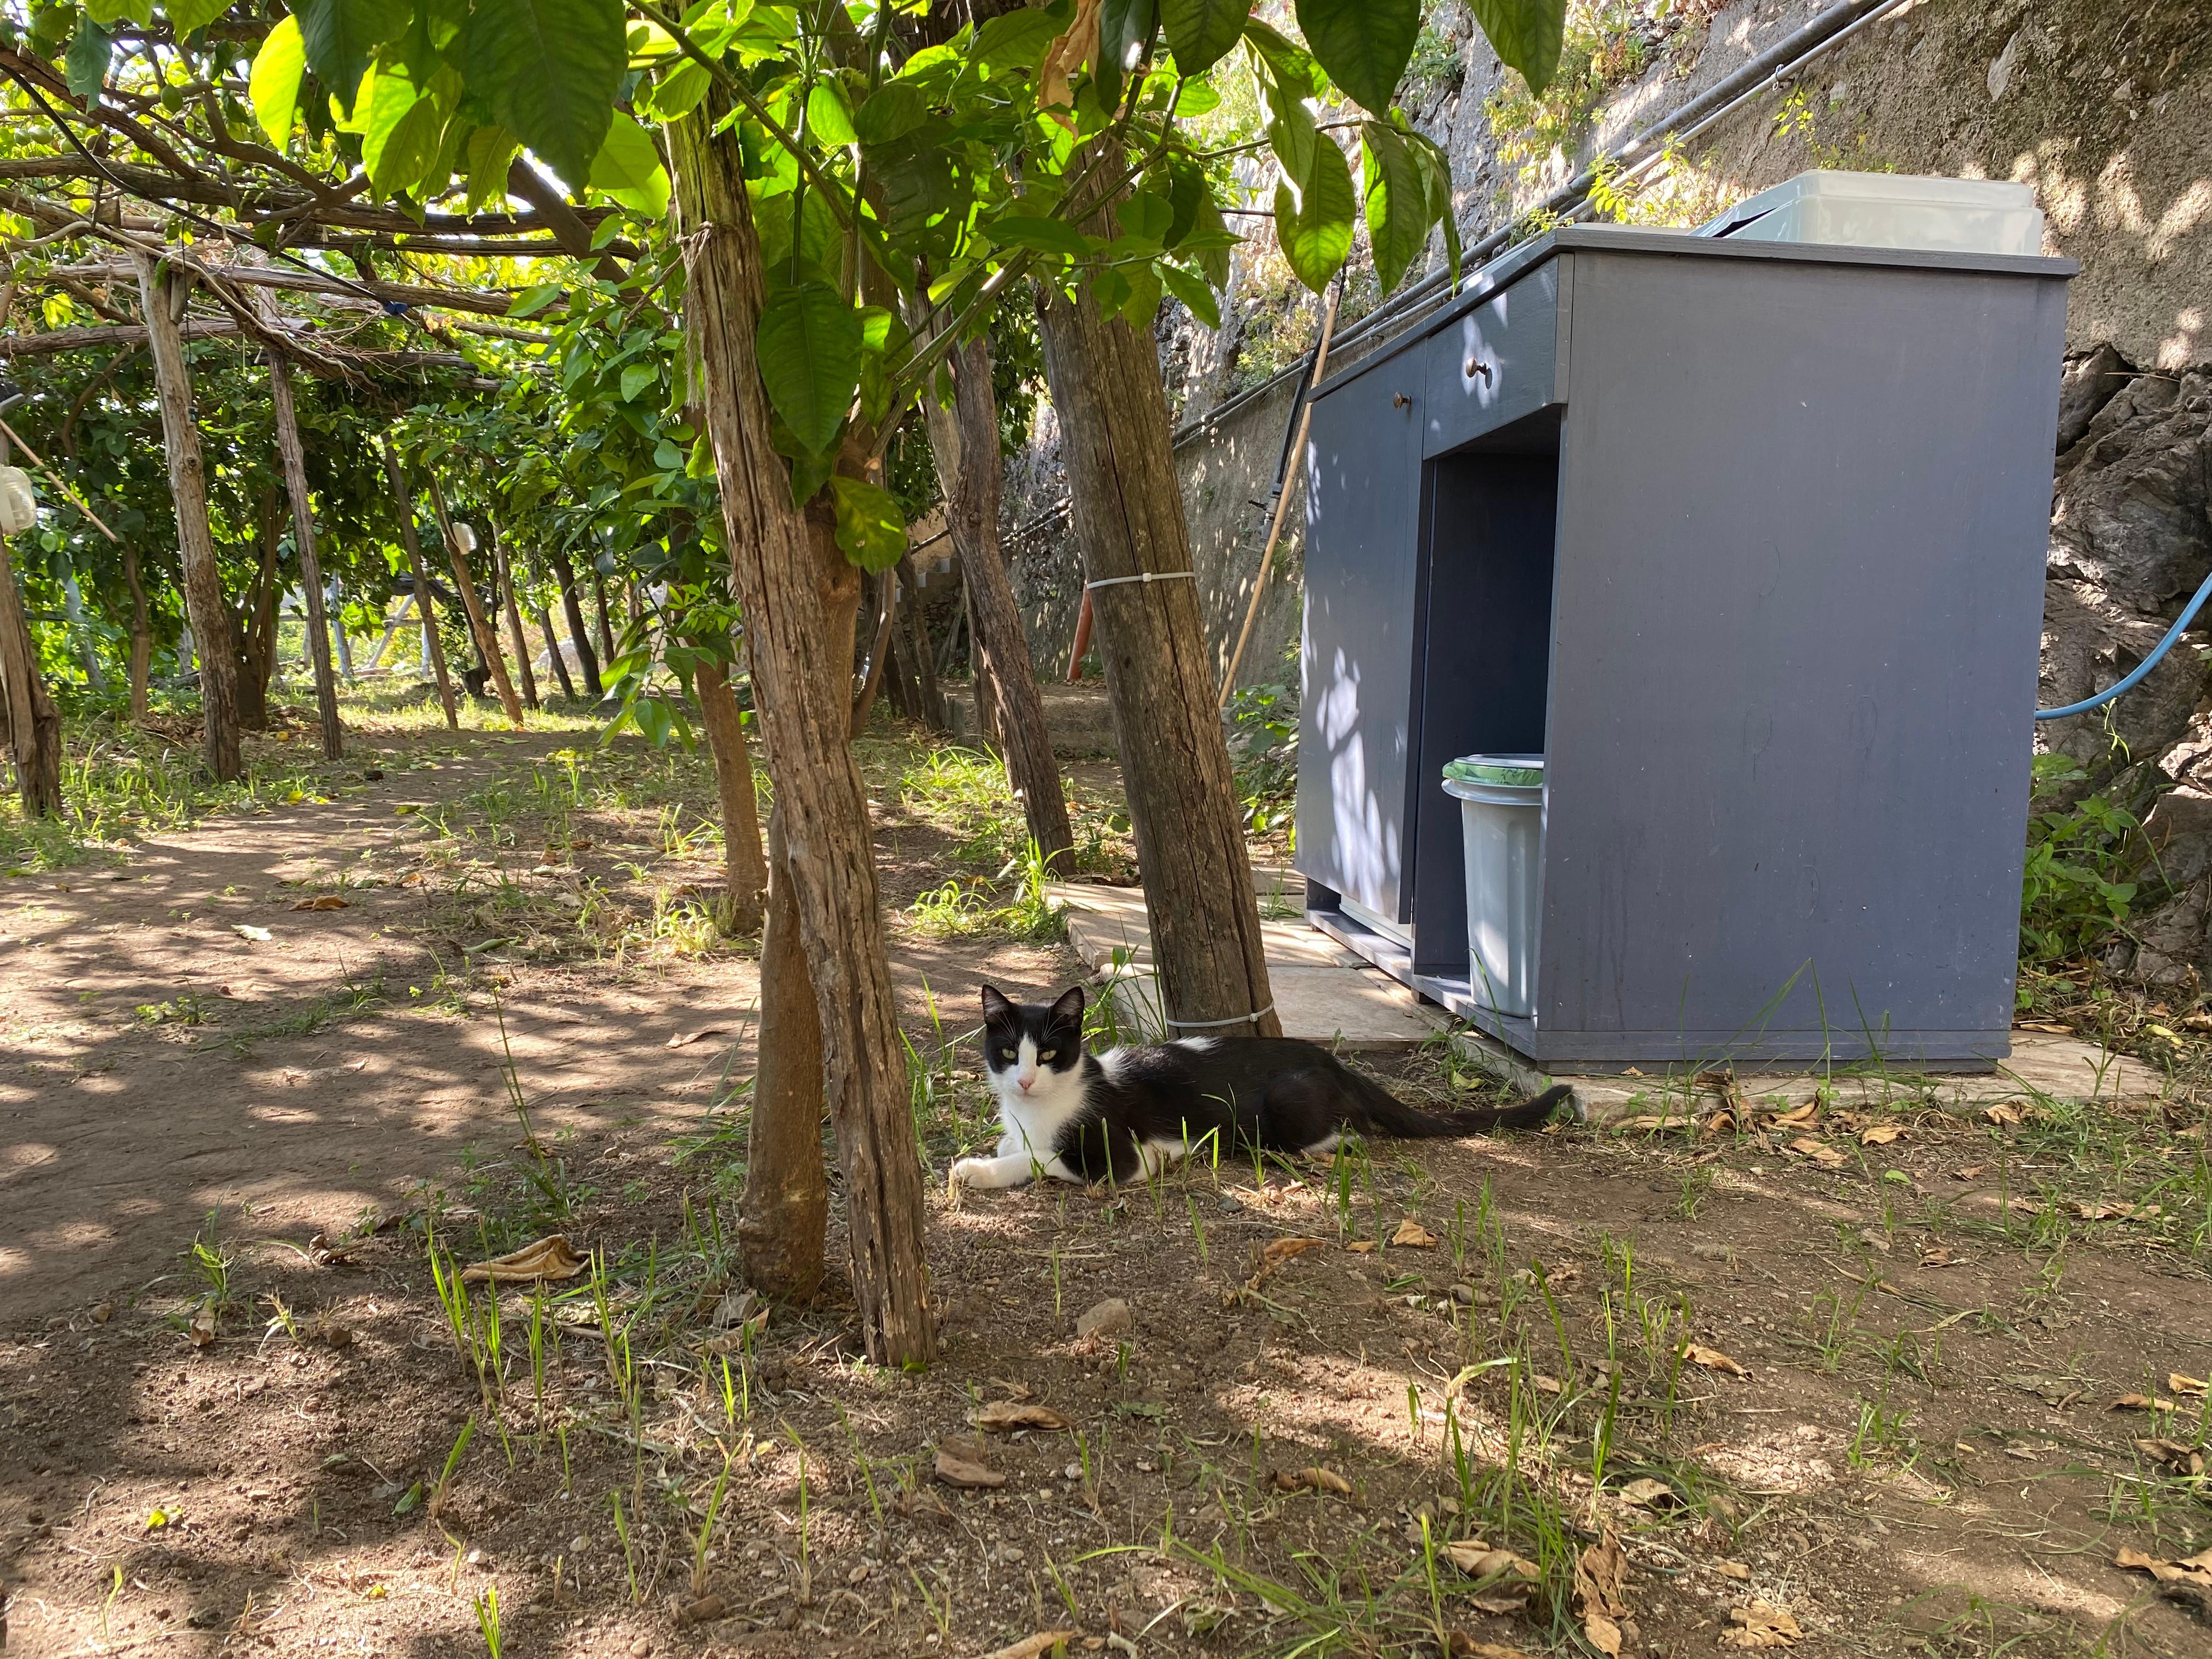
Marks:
<point>976,1172</point>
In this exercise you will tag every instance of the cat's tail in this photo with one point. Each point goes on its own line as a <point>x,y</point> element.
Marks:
<point>1377,1111</point>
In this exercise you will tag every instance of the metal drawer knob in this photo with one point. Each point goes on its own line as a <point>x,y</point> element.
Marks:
<point>1475,366</point>
<point>1399,400</point>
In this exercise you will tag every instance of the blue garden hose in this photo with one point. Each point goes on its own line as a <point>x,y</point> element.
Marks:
<point>2188,615</point>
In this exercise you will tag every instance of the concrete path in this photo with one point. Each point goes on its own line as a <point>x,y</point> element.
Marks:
<point>1327,995</point>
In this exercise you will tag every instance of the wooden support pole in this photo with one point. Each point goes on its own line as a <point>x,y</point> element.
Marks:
<point>303,540</point>
<point>421,575</point>
<point>479,624</point>
<point>202,581</point>
<point>503,569</point>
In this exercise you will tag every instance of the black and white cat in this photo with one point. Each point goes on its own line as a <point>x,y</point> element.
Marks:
<point>1131,1111</point>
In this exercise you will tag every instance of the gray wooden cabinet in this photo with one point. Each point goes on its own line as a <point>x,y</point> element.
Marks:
<point>1747,540</point>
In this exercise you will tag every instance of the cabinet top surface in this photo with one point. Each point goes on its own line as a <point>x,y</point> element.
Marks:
<point>1518,262</point>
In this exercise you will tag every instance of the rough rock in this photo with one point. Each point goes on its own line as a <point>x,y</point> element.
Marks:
<point>2090,382</point>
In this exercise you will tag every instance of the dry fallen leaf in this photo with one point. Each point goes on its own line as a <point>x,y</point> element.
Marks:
<point>1650,1494</point>
<point>2181,1384</point>
<point>246,930</point>
<point>962,1466</point>
<point>1030,1647</point>
<point>1363,1246</point>
<point>1004,1416</point>
<point>1818,1151</point>
<point>1718,1123</point>
<point>2195,1569</point>
<point>1798,1117</point>
<point>1602,1633</point>
<point>1712,1359</point>
<point>1732,1570</point>
<point>1315,1478</point>
<point>685,1039</point>
<point>1969,1171</point>
<point>1880,1134</point>
<point>1282,1250</point>
<point>548,1258</point>
<point>201,1329</point>
<point>1601,1576</point>
<point>1478,1559</point>
<point>2002,1115</point>
<point>1762,1625</point>
<point>2183,1459</point>
<point>325,901</point>
<point>1413,1237</point>
<point>1935,1256</point>
<point>2143,1402</point>
<point>1464,1646</point>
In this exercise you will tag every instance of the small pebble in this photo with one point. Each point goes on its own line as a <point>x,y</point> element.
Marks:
<point>579,1544</point>
<point>640,1648</point>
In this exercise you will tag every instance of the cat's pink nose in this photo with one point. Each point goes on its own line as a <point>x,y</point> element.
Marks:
<point>1025,1078</point>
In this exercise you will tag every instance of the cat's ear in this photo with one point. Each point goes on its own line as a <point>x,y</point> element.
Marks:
<point>1068,1011</point>
<point>995,1006</point>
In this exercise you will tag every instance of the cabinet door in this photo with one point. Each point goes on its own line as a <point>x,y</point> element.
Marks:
<point>1497,362</point>
<point>1363,482</point>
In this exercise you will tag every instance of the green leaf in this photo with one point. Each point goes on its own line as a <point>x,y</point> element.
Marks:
<point>190,16</point>
<point>1125,29</point>
<point>1397,192</point>
<point>811,344</point>
<point>1436,170</point>
<point>275,86</point>
<point>1015,39</point>
<point>870,526</point>
<point>1145,214</point>
<point>636,377</point>
<point>628,168</point>
<point>341,35</point>
<point>531,302</point>
<point>828,118</point>
<point>680,89</point>
<point>1314,225</point>
<point>1193,293</point>
<point>1202,32</point>
<point>85,69</point>
<point>1364,45</point>
<point>551,68</point>
<point>892,110</point>
<point>400,139</point>
<point>488,151</point>
<point>1293,64</point>
<point>1525,34</point>
<point>1031,230</point>
<point>107,13</point>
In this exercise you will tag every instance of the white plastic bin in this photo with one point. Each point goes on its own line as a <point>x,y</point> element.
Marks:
<point>1889,210</point>
<point>1501,811</point>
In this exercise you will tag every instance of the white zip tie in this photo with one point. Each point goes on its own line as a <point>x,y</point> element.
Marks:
<point>1148,576</point>
<point>1202,1025</point>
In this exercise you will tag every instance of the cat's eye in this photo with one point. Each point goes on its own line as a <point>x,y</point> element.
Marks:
<point>1046,1054</point>
<point>1006,1054</point>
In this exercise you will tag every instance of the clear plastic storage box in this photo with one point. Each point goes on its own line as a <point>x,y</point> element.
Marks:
<point>1889,210</point>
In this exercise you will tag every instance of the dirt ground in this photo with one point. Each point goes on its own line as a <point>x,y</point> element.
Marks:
<point>1885,1384</point>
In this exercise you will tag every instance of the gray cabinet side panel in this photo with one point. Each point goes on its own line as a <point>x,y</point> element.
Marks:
<point>1804,515</point>
<point>1358,648</point>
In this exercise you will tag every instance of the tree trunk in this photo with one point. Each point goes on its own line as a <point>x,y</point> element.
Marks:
<point>479,624</point>
<point>202,585</point>
<point>1105,382</point>
<point>424,605</point>
<point>744,877</point>
<point>303,538</point>
<point>917,638</point>
<point>606,623</point>
<point>502,569</point>
<point>579,635</point>
<point>553,650</point>
<point>797,592</point>
<point>141,636</point>
<point>253,631</point>
<point>879,647</point>
<point>34,728</point>
<point>1009,709</point>
<point>783,1214</point>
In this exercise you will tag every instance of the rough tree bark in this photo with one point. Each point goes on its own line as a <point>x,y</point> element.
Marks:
<point>203,584</point>
<point>487,637</point>
<point>142,635</point>
<point>783,1214</point>
<point>253,627</point>
<point>793,583</point>
<point>965,442</point>
<point>1106,390</point>
<point>503,570</point>
<point>744,875</point>
<point>606,615</point>
<point>34,727</point>
<point>579,635</point>
<point>553,650</point>
<point>424,605</point>
<point>880,648</point>
<point>303,538</point>
<point>917,641</point>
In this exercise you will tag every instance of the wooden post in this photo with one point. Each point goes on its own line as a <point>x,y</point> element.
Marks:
<point>203,583</point>
<point>425,607</point>
<point>303,539</point>
<point>479,624</point>
<point>801,658</point>
<point>34,727</point>
<point>502,569</point>
<point>1128,514</point>
<point>553,650</point>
